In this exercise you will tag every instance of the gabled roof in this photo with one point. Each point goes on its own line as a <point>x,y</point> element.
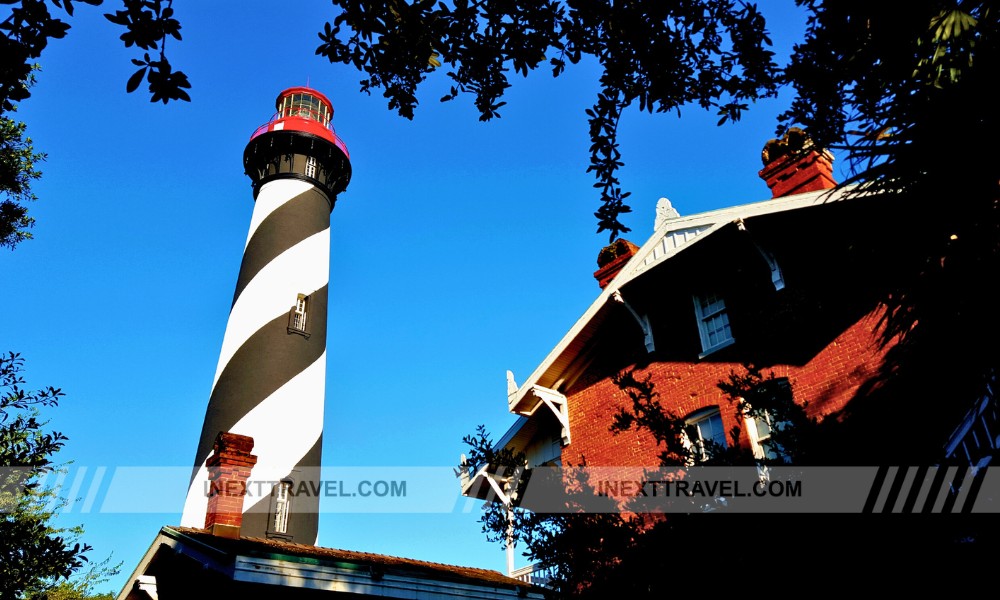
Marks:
<point>246,562</point>
<point>673,237</point>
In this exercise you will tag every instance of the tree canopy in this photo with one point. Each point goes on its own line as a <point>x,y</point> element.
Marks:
<point>869,79</point>
<point>24,35</point>
<point>905,94</point>
<point>18,169</point>
<point>660,56</point>
<point>33,552</point>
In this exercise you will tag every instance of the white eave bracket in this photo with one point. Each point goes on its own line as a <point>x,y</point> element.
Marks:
<point>642,320</point>
<point>528,402</point>
<point>147,584</point>
<point>497,484</point>
<point>777,279</point>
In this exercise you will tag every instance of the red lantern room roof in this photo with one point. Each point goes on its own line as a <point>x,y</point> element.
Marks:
<point>303,109</point>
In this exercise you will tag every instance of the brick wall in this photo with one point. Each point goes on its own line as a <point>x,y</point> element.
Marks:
<point>827,382</point>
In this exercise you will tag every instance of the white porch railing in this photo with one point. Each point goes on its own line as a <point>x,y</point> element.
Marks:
<point>531,574</point>
<point>977,439</point>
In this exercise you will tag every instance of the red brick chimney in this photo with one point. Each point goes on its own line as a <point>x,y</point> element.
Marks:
<point>793,166</point>
<point>612,258</point>
<point>228,470</point>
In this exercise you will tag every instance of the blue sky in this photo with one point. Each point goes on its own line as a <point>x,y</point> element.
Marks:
<point>460,250</point>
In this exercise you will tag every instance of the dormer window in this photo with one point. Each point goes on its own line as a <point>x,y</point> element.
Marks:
<point>713,323</point>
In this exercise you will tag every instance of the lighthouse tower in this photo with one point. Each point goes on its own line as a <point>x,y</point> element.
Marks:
<point>269,384</point>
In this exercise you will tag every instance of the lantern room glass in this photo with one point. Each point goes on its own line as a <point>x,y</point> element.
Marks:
<point>306,106</point>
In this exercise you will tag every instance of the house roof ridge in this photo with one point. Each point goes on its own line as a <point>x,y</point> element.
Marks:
<point>343,553</point>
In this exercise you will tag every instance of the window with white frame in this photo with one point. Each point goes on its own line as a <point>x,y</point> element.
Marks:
<point>759,430</point>
<point>299,314</point>
<point>703,433</point>
<point>713,322</point>
<point>762,424</point>
<point>311,167</point>
<point>282,506</point>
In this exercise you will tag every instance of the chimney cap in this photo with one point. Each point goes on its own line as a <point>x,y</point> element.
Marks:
<point>612,258</point>
<point>794,142</point>
<point>232,442</point>
<point>617,248</point>
<point>795,165</point>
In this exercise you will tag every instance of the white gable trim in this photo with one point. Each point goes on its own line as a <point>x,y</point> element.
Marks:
<point>676,235</point>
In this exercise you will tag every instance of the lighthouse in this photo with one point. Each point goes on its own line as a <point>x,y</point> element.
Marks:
<point>270,380</point>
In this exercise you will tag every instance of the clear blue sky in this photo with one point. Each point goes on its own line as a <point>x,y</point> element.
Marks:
<point>460,250</point>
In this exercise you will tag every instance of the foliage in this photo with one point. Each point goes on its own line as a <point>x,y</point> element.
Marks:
<point>570,545</point>
<point>660,55</point>
<point>606,550</point>
<point>908,95</point>
<point>40,506</point>
<point>24,35</point>
<point>795,438</point>
<point>628,551</point>
<point>648,414</point>
<point>753,394</point>
<point>84,585</point>
<point>600,551</point>
<point>148,24</point>
<point>34,554</point>
<point>26,32</point>
<point>23,442</point>
<point>505,464</point>
<point>17,170</point>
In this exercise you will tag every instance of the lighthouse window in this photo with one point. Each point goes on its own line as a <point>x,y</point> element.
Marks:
<point>298,317</point>
<point>300,314</point>
<point>310,108</point>
<point>290,105</point>
<point>305,106</point>
<point>311,167</point>
<point>282,506</point>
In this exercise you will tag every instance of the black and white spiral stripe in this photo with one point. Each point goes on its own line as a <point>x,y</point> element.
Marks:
<point>270,381</point>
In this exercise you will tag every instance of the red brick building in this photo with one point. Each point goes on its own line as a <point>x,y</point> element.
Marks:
<point>791,285</point>
<point>780,284</point>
